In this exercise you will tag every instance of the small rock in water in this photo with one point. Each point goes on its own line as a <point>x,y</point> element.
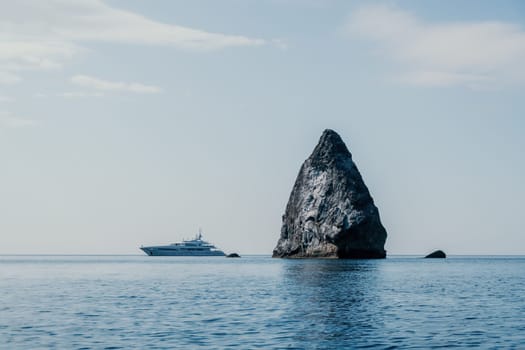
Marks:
<point>439,254</point>
<point>233,255</point>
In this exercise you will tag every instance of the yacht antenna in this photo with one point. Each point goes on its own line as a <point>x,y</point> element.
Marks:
<point>200,233</point>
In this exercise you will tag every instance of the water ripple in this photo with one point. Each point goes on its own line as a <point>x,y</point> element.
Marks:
<point>254,302</point>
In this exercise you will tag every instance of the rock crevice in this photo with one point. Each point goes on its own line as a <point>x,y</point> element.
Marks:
<point>330,213</point>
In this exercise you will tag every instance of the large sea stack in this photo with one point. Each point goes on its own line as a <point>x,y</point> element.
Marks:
<point>330,213</point>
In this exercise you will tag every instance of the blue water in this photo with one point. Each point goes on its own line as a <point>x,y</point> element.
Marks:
<point>140,302</point>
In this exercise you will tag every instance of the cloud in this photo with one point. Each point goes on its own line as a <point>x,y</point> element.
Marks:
<point>5,98</point>
<point>79,94</point>
<point>430,78</point>
<point>7,78</point>
<point>280,43</point>
<point>44,35</point>
<point>106,85</point>
<point>9,121</point>
<point>474,54</point>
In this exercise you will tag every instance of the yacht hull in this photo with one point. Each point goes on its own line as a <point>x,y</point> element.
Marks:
<point>160,251</point>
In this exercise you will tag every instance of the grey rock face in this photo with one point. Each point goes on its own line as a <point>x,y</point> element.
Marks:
<point>438,254</point>
<point>330,213</point>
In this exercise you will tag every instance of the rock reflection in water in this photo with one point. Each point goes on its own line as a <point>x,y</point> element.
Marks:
<point>332,300</point>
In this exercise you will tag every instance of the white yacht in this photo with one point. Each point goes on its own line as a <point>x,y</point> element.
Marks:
<point>192,247</point>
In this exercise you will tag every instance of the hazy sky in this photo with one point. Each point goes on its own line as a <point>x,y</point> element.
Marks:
<point>136,122</point>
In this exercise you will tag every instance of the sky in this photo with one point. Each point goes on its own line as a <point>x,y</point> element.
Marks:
<point>127,123</point>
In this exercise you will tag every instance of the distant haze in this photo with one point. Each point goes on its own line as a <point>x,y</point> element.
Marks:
<point>125,123</point>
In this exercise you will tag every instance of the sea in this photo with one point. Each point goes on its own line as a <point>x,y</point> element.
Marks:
<point>141,302</point>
